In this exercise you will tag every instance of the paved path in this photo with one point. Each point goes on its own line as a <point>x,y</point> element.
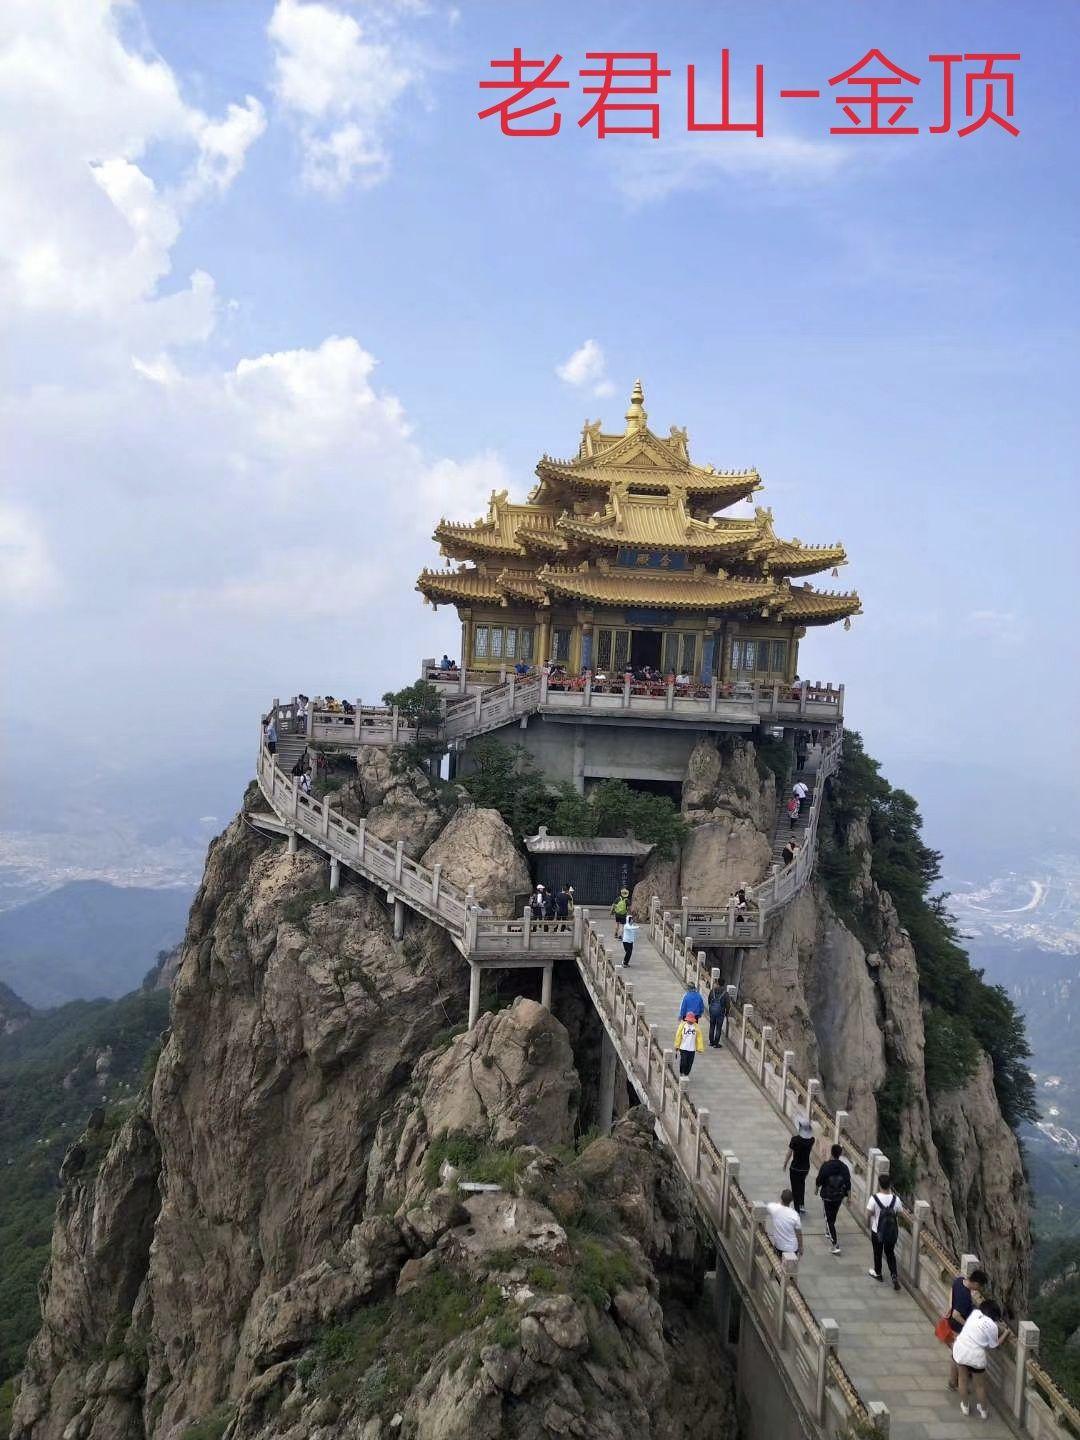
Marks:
<point>887,1343</point>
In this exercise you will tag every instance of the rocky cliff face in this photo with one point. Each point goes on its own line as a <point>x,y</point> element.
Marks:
<point>272,1240</point>
<point>852,1013</point>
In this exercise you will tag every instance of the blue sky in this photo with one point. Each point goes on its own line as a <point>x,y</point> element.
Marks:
<point>276,300</point>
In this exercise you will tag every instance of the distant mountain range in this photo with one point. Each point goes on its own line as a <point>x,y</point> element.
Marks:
<point>87,940</point>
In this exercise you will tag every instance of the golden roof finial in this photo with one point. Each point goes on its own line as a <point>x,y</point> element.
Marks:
<point>636,416</point>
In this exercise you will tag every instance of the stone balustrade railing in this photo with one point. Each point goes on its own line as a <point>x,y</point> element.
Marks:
<point>803,1343</point>
<point>475,931</point>
<point>1018,1384</point>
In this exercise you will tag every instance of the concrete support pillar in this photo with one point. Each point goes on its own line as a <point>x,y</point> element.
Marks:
<point>335,874</point>
<point>609,1064</point>
<point>292,842</point>
<point>474,993</point>
<point>399,919</point>
<point>579,759</point>
<point>545,985</point>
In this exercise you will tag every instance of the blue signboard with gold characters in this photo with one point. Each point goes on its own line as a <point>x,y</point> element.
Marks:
<point>637,559</point>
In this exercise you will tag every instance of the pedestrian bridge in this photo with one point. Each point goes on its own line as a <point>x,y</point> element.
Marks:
<point>822,1350</point>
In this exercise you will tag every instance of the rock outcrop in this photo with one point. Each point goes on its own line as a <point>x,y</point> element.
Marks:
<point>266,1243</point>
<point>476,848</point>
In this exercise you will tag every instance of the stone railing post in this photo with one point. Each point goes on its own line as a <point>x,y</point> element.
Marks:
<point>1027,1347</point>
<point>578,923</point>
<point>759,1217</point>
<point>789,1060</point>
<point>840,1119</point>
<point>588,689</point>
<point>728,1177</point>
<point>626,691</point>
<point>968,1263</point>
<point>766,1036</point>
<point>830,1339</point>
<point>712,695</point>
<point>639,1019</point>
<point>544,675</point>
<point>680,1096</point>
<point>399,858</point>
<point>702,1124</point>
<point>325,817</point>
<point>654,1031</point>
<point>309,718</point>
<point>665,1071</point>
<point>361,838</point>
<point>813,1089</point>
<point>669,695</point>
<point>747,1016</point>
<point>526,927</point>
<point>918,1220</point>
<point>873,1169</point>
<point>788,1267</point>
<point>879,1418</point>
<point>436,876</point>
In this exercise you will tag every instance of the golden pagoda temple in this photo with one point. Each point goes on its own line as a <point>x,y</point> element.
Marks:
<point>617,559</point>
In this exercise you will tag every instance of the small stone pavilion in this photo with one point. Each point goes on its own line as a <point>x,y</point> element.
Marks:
<point>618,560</point>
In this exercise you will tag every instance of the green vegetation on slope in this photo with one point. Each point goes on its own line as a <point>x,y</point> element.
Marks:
<point>48,1087</point>
<point>506,779</point>
<point>1055,1308</point>
<point>964,1012</point>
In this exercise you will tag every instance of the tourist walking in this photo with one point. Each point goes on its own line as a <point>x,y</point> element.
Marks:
<point>968,1292</point>
<point>718,1008</point>
<point>693,1003</point>
<point>271,737</point>
<point>790,850</point>
<point>784,1226</point>
<point>833,1184</point>
<point>792,812</point>
<point>619,910</point>
<point>980,1334</point>
<point>797,1160</point>
<point>688,1041</point>
<point>562,903</point>
<point>884,1209</point>
<point>629,935</point>
<point>800,790</point>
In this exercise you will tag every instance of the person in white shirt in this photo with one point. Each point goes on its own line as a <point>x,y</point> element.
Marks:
<point>884,1210</point>
<point>800,790</point>
<point>981,1333</point>
<point>784,1226</point>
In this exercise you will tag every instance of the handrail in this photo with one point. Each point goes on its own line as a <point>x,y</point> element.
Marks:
<point>1020,1385</point>
<point>825,1390</point>
<point>474,930</point>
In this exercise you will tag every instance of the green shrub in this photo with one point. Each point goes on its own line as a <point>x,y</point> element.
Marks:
<point>904,865</point>
<point>600,1271</point>
<point>418,703</point>
<point>212,1426</point>
<point>298,910</point>
<point>473,1159</point>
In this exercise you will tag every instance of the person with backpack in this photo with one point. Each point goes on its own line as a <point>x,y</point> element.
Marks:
<point>797,1160</point>
<point>562,905</point>
<point>792,811</point>
<point>620,910</point>
<point>982,1333</point>
<point>833,1184</point>
<point>884,1209</point>
<point>629,935</point>
<point>718,1008</point>
<point>551,910</point>
<point>688,1042</point>
<point>693,1003</point>
<point>968,1292</point>
<point>536,904</point>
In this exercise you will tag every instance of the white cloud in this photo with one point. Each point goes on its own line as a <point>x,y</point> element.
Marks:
<point>27,574</point>
<point>646,173</point>
<point>340,85</point>
<point>85,229</point>
<point>586,369</point>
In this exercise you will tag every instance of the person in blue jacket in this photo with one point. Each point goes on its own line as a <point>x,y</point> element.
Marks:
<point>693,1003</point>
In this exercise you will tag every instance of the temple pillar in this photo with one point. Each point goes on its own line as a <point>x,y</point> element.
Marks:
<point>543,639</point>
<point>708,654</point>
<point>586,646</point>
<point>466,640</point>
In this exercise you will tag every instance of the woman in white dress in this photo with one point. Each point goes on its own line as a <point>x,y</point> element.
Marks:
<point>981,1334</point>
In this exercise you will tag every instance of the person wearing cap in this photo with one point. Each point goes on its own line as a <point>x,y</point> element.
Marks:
<point>536,904</point>
<point>796,1160</point>
<point>620,910</point>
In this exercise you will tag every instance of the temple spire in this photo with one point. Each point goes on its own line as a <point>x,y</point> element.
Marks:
<point>636,416</point>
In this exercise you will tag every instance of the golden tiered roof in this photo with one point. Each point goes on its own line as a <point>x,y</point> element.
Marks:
<point>629,522</point>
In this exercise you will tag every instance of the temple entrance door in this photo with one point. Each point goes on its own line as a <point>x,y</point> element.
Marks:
<point>645,648</point>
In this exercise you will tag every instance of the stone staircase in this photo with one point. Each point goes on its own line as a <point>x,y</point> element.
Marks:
<point>785,831</point>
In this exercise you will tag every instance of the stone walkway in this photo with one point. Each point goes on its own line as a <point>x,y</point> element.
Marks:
<point>887,1343</point>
